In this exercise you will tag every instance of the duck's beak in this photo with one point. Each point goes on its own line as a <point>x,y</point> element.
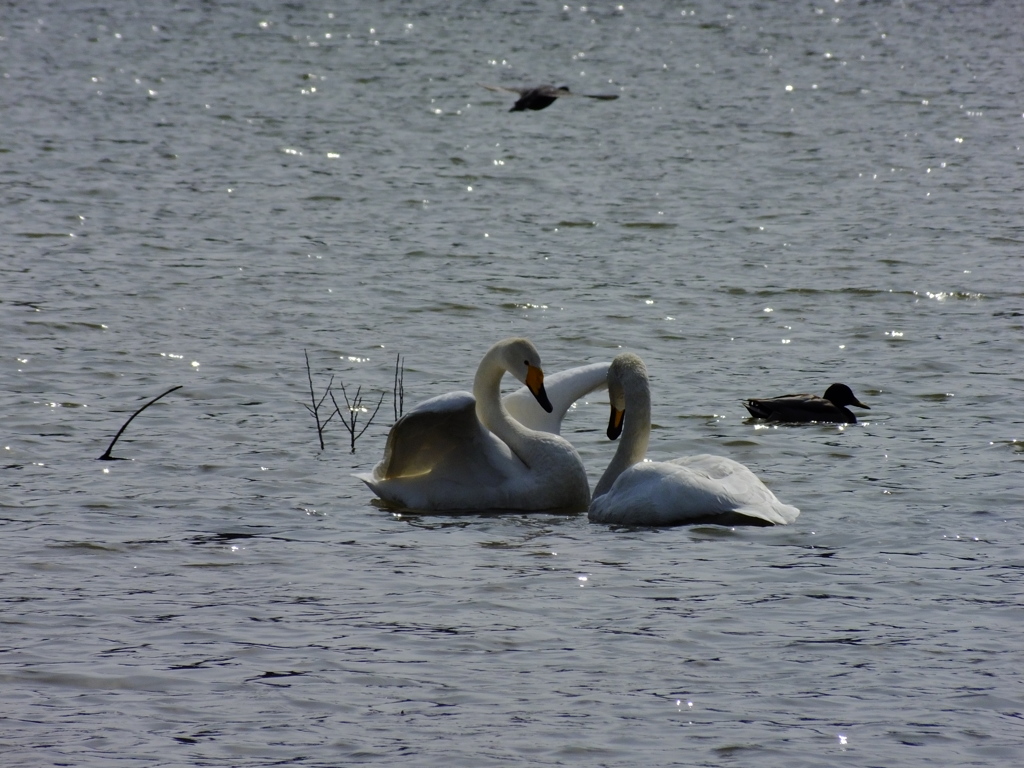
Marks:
<point>535,383</point>
<point>615,423</point>
<point>859,404</point>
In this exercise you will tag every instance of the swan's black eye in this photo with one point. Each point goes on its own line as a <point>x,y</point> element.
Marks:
<point>526,363</point>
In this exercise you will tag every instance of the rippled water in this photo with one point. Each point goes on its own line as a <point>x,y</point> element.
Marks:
<point>783,196</point>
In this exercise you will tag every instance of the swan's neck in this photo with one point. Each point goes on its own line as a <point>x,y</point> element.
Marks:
<point>636,433</point>
<point>489,409</point>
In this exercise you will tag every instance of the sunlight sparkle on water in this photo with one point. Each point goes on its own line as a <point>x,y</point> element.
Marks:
<point>689,707</point>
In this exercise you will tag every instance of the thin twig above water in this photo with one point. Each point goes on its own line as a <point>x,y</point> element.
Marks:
<point>398,393</point>
<point>107,455</point>
<point>354,407</point>
<point>315,410</point>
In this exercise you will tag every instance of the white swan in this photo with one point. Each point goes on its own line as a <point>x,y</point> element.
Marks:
<point>464,452</point>
<point>700,488</point>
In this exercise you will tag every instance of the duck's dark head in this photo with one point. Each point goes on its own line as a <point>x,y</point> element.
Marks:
<point>841,395</point>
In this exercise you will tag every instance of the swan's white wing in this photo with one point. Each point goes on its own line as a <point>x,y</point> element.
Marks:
<point>440,434</point>
<point>694,488</point>
<point>656,493</point>
<point>737,488</point>
<point>564,388</point>
<point>438,453</point>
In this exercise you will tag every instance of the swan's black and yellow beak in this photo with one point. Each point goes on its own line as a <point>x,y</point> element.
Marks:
<point>535,383</point>
<point>615,423</point>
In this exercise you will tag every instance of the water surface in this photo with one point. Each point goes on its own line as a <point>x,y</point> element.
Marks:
<point>781,198</point>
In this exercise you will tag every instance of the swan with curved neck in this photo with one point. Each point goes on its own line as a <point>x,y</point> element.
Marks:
<point>465,452</point>
<point>701,488</point>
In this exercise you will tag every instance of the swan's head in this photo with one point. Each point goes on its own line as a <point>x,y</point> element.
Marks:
<point>520,358</point>
<point>627,371</point>
<point>840,394</point>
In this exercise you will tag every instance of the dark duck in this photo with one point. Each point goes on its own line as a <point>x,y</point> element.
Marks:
<point>805,408</point>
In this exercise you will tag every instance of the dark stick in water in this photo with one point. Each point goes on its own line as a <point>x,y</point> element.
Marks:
<point>398,393</point>
<point>354,406</point>
<point>106,456</point>
<point>315,410</point>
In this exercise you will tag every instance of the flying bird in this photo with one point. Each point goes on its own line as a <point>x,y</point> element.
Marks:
<point>541,96</point>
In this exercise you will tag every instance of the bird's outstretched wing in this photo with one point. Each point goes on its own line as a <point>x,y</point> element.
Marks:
<point>434,433</point>
<point>564,388</point>
<point>506,89</point>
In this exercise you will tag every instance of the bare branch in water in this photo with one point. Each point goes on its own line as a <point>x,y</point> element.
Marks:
<point>398,393</point>
<point>107,456</point>
<point>354,406</point>
<point>315,410</point>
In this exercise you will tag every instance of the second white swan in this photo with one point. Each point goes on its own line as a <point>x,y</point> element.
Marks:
<point>702,488</point>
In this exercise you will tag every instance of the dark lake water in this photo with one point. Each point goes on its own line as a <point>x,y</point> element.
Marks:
<point>783,196</point>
